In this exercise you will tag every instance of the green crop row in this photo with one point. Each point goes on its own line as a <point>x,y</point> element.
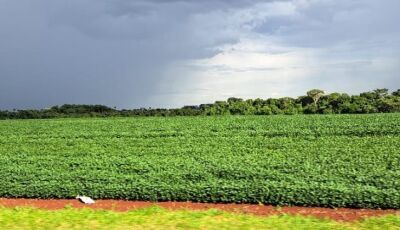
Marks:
<point>315,160</point>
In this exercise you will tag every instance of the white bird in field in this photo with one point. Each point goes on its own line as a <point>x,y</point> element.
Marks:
<point>85,199</point>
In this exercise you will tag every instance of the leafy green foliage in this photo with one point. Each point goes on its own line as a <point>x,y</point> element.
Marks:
<point>315,160</point>
<point>377,101</point>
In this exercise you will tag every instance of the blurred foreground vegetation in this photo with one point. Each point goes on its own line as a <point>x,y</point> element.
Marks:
<point>158,218</point>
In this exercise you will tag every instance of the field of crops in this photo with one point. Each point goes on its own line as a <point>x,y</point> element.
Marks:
<point>314,160</point>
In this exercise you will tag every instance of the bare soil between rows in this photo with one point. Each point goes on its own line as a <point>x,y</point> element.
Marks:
<point>338,214</point>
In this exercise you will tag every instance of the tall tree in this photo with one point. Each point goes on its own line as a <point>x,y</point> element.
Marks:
<point>396,93</point>
<point>315,94</point>
<point>381,92</point>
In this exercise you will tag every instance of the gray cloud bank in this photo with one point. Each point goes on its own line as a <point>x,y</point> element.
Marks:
<point>147,53</point>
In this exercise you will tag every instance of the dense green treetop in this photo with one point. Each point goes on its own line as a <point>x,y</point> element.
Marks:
<point>314,102</point>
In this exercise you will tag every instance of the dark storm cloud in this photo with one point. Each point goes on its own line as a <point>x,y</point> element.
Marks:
<point>91,51</point>
<point>123,53</point>
<point>325,23</point>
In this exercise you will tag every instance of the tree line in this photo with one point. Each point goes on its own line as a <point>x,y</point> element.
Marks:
<point>314,102</point>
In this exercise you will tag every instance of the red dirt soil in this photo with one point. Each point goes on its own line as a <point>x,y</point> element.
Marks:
<point>339,214</point>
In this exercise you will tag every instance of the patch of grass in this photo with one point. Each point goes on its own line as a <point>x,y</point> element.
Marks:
<point>159,218</point>
<point>387,222</point>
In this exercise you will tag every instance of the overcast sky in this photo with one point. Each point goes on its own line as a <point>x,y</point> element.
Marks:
<point>170,53</point>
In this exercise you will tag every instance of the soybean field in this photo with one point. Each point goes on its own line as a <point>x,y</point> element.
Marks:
<point>306,160</point>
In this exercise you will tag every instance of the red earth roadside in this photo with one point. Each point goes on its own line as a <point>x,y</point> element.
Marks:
<point>339,214</point>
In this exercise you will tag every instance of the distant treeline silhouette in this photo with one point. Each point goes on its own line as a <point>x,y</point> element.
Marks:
<point>315,102</point>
